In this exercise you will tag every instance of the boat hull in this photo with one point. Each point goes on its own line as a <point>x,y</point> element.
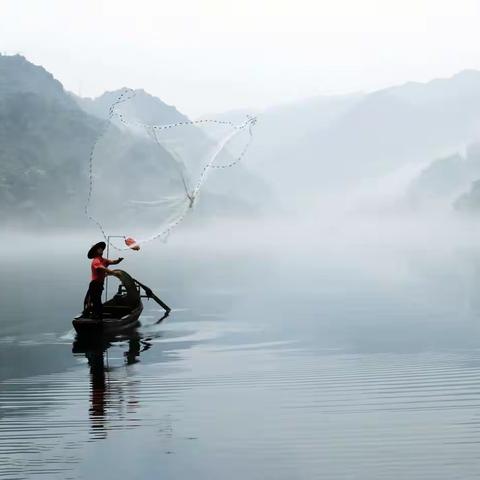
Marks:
<point>109,324</point>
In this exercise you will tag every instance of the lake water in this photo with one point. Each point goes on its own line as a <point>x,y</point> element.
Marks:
<point>293,361</point>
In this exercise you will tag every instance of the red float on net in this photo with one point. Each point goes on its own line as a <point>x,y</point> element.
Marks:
<point>132,243</point>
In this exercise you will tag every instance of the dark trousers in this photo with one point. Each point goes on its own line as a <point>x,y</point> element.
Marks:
<point>93,299</point>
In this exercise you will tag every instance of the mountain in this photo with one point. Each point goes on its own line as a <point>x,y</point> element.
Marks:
<point>44,140</point>
<point>45,143</point>
<point>46,137</point>
<point>149,109</point>
<point>304,150</point>
<point>240,189</point>
<point>468,201</point>
<point>19,76</point>
<point>282,128</point>
<point>444,179</point>
<point>334,144</point>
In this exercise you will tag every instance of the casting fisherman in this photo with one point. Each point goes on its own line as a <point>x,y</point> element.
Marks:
<point>93,299</point>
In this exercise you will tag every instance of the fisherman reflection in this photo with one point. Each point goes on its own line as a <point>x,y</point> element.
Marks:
<point>97,392</point>
<point>101,392</point>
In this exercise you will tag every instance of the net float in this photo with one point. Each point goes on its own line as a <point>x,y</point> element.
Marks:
<point>132,243</point>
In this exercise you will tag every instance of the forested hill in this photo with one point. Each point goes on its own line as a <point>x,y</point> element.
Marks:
<point>46,136</point>
<point>44,141</point>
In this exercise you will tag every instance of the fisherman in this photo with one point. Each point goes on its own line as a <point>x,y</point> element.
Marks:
<point>93,298</point>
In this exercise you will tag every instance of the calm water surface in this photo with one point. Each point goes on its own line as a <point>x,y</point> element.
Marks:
<point>281,363</point>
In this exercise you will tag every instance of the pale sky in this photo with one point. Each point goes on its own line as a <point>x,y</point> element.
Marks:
<point>213,55</point>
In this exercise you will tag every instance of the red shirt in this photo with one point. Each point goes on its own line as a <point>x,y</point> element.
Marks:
<point>98,275</point>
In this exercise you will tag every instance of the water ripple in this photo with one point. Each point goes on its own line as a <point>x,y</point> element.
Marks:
<point>291,415</point>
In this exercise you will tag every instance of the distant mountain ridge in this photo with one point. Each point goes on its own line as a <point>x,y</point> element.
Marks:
<point>366,136</point>
<point>18,75</point>
<point>462,84</point>
<point>40,178</point>
<point>47,134</point>
<point>144,106</point>
<point>445,179</point>
<point>304,150</point>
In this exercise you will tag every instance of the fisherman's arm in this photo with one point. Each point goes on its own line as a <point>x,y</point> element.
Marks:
<point>115,262</point>
<point>108,271</point>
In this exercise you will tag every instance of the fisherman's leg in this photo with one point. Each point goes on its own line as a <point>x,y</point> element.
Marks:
<point>87,302</point>
<point>96,296</point>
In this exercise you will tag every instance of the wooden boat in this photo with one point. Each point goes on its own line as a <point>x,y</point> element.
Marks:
<point>121,312</point>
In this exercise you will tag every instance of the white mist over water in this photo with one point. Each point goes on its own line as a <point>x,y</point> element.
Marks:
<point>354,334</point>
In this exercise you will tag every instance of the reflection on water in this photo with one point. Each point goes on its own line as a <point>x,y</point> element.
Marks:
<point>105,390</point>
<point>360,369</point>
<point>46,421</point>
<point>98,391</point>
<point>112,393</point>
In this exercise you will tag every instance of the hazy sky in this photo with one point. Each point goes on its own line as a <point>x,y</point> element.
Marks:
<point>213,55</point>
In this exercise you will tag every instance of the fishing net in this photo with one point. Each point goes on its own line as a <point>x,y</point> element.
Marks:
<point>146,177</point>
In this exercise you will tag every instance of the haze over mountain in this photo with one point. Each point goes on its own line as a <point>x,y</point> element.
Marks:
<point>440,183</point>
<point>144,106</point>
<point>46,136</point>
<point>44,140</point>
<point>337,143</point>
<point>306,151</point>
<point>240,190</point>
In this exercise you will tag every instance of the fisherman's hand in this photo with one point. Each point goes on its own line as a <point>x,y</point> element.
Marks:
<point>119,259</point>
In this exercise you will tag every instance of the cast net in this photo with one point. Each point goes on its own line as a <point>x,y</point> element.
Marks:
<point>146,177</point>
